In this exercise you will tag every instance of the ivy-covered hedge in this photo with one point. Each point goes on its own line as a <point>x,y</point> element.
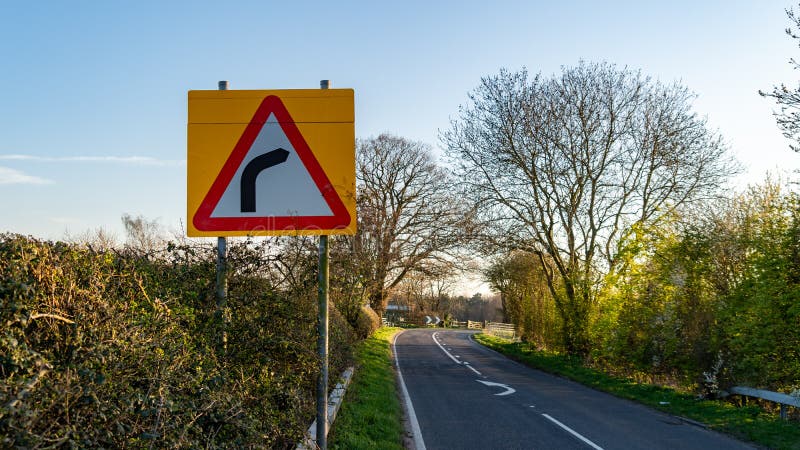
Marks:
<point>124,349</point>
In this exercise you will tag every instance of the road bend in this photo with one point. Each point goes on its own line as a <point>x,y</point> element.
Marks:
<point>465,396</point>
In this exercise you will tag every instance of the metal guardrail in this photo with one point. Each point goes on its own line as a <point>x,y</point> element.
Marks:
<point>457,324</point>
<point>335,400</point>
<point>783,400</point>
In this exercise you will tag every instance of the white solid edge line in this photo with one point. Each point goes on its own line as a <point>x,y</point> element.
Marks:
<point>573,432</point>
<point>444,349</point>
<point>498,353</point>
<point>472,369</point>
<point>412,416</point>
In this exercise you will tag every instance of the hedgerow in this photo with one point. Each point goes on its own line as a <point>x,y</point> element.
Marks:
<point>124,349</point>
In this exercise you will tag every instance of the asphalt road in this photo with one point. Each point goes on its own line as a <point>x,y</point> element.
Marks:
<point>465,396</point>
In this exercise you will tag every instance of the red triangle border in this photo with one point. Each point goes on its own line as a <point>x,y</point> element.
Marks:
<point>271,104</point>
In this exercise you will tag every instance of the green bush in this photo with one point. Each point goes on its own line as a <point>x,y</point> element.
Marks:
<point>122,350</point>
<point>708,302</point>
<point>368,321</point>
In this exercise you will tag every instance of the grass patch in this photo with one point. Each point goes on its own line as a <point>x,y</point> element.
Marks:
<point>371,416</point>
<point>748,423</point>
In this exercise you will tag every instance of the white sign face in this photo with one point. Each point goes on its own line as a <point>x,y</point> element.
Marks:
<point>271,181</point>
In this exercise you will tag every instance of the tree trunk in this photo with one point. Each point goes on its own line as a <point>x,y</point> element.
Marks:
<point>505,318</point>
<point>378,300</point>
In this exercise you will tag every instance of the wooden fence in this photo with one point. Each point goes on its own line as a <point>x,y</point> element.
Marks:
<point>474,325</point>
<point>503,330</point>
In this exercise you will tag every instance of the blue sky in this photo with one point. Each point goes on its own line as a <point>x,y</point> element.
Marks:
<point>93,111</point>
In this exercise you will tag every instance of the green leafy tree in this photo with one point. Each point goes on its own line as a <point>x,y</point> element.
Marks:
<point>657,310</point>
<point>524,296</point>
<point>709,298</point>
<point>761,315</point>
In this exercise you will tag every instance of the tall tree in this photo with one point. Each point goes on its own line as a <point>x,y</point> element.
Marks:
<point>409,218</point>
<point>512,276</point>
<point>524,297</point>
<point>788,98</point>
<point>560,167</point>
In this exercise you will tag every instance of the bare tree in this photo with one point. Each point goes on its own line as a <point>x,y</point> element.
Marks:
<point>347,288</point>
<point>561,167</point>
<point>439,287</point>
<point>143,235</point>
<point>428,291</point>
<point>788,98</point>
<point>409,218</point>
<point>98,240</point>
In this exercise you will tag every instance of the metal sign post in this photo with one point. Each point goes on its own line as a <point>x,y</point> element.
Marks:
<point>322,345</point>
<point>222,272</point>
<point>322,338</point>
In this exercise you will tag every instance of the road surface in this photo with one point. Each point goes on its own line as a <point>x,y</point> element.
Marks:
<point>465,396</point>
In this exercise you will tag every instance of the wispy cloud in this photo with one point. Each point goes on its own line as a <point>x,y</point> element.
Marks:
<point>132,160</point>
<point>11,176</point>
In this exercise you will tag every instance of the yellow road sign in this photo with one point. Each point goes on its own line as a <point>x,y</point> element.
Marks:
<point>278,162</point>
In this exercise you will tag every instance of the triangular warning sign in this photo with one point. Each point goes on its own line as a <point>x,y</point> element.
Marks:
<point>271,181</point>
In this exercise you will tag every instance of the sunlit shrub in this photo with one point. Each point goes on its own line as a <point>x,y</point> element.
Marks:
<point>368,322</point>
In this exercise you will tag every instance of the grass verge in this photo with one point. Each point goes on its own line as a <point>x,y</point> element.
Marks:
<point>370,416</point>
<point>748,423</point>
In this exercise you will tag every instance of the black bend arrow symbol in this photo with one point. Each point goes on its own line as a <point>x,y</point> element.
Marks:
<point>251,172</point>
